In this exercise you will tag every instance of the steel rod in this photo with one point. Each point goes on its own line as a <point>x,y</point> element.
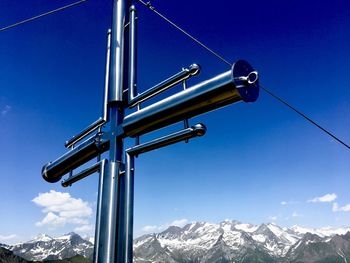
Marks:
<point>81,175</point>
<point>88,130</point>
<point>129,207</point>
<point>194,131</point>
<point>107,76</point>
<point>132,52</point>
<point>185,73</point>
<point>99,210</point>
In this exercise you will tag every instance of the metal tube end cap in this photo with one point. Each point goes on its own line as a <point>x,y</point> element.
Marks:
<point>199,129</point>
<point>47,178</point>
<point>194,69</point>
<point>246,80</point>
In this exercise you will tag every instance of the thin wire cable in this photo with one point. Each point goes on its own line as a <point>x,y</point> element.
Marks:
<point>41,15</point>
<point>152,8</point>
<point>148,4</point>
<point>304,116</point>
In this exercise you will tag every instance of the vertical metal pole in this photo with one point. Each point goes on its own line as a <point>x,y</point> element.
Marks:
<point>132,53</point>
<point>129,205</point>
<point>109,236</point>
<point>117,52</point>
<point>107,74</point>
<point>126,194</point>
<point>98,210</point>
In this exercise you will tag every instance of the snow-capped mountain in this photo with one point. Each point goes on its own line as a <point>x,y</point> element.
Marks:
<point>44,247</point>
<point>201,242</point>
<point>232,241</point>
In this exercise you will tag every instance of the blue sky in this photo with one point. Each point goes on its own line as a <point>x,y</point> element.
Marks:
<point>258,162</point>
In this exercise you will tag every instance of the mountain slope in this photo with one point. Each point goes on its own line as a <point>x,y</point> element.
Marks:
<point>7,256</point>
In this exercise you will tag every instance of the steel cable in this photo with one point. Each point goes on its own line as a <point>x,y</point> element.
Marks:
<point>41,15</point>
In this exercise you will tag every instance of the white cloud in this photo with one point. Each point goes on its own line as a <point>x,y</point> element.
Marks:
<point>289,202</point>
<point>324,199</point>
<point>7,237</point>
<point>6,110</point>
<point>295,214</point>
<point>178,222</point>
<point>84,229</point>
<point>149,229</point>
<point>61,209</point>
<point>52,220</point>
<point>336,208</point>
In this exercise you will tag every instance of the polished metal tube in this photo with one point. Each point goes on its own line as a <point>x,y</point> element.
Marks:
<point>115,93</point>
<point>109,237</point>
<point>185,73</point>
<point>107,75</point>
<point>81,175</point>
<point>129,207</point>
<point>224,89</point>
<point>53,171</point>
<point>99,210</point>
<point>194,131</point>
<point>108,220</point>
<point>132,52</point>
<point>88,130</point>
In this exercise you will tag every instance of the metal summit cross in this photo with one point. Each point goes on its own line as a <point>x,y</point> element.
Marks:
<point>114,218</point>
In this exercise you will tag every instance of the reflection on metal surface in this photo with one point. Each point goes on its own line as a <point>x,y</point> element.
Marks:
<point>211,94</point>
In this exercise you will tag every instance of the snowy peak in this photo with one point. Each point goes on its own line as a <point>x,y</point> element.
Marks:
<point>41,238</point>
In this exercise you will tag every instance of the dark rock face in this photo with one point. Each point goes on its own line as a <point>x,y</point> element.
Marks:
<point>7,256</point>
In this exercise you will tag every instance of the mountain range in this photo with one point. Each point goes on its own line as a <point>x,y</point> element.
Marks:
<point>201,242</point>
<point>232,241</point>
<point>44,247</point>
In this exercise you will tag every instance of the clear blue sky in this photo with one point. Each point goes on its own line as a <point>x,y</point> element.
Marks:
<point>258,162</point>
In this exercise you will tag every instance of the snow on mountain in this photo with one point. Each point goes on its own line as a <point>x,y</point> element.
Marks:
<point>229,240</point>
<point>246,227</point>
<point>41,237</point>
<point>205,242</point>
<point>44,247</point>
